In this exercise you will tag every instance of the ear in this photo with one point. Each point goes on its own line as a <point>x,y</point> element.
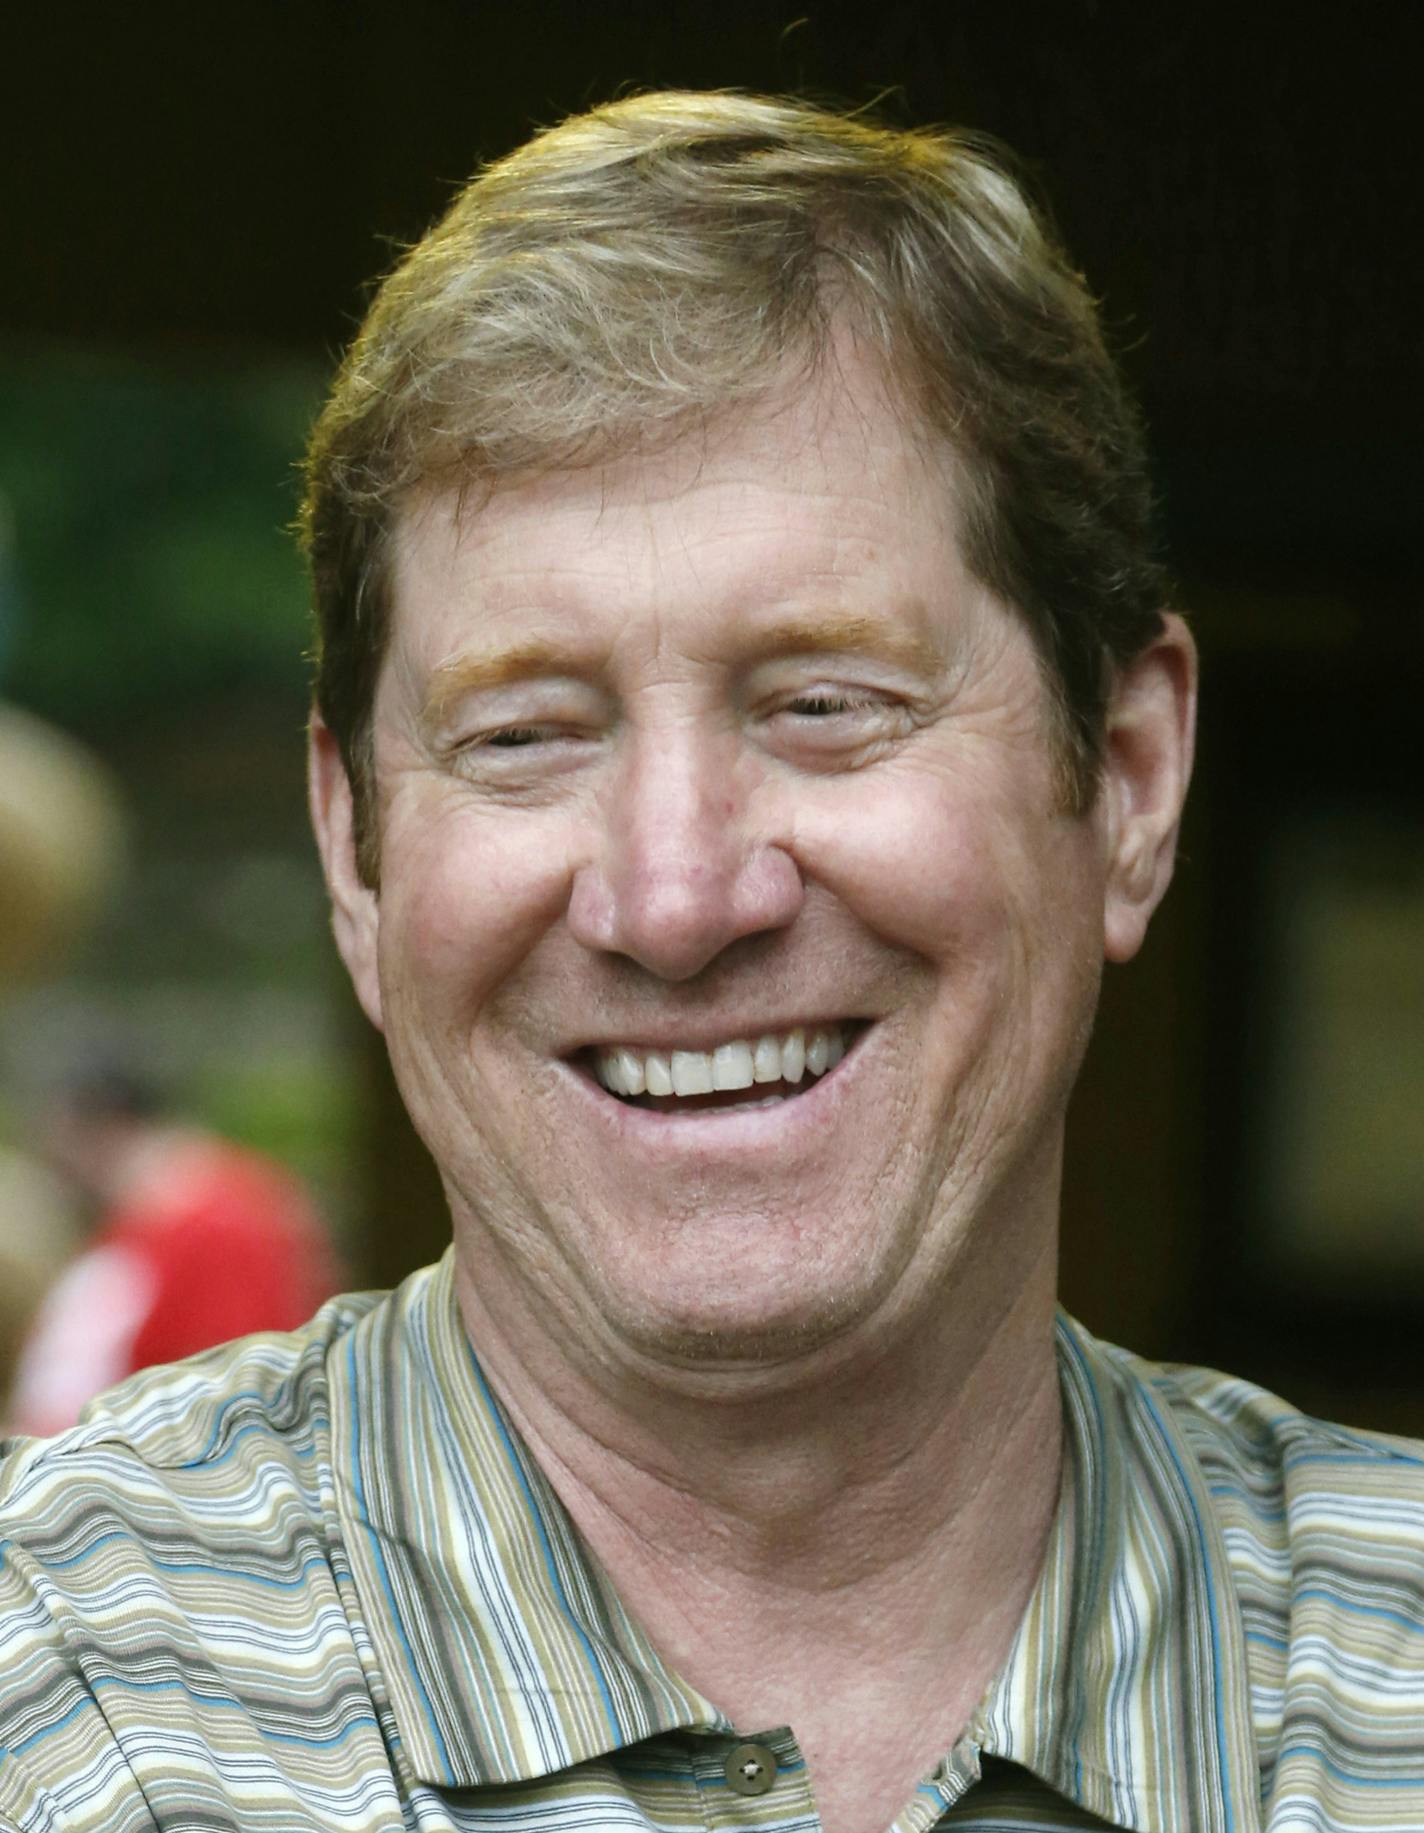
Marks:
<point>1147,763</point>
<point>355,907</point>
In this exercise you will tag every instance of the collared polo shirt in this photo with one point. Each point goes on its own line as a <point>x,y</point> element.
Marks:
<point>316,1582</point>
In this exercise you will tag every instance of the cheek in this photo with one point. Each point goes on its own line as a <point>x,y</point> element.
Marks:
<point>916,862</point>
<point>464,899</point>
<point>965,875</point>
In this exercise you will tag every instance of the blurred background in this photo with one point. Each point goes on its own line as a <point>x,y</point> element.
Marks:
<point>193,201</point>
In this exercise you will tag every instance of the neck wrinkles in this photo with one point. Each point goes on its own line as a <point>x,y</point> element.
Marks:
<point>812,1481</point>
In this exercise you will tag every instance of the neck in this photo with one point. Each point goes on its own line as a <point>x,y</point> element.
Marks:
<point>892,1508</point>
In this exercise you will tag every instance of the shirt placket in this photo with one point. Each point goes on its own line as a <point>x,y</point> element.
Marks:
<point>753,1782</point>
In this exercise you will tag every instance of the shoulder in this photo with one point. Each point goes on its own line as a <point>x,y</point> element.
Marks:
<point>1323,1525</point>
<point>191,1457</point>
<point>1293,1501</point>
<point>1316,1531</point>
<point>1275,1470</point>
<point>170,1568</point>
<point>185,1416</point>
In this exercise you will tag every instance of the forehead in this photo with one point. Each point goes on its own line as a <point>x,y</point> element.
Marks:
<point>821,495</point>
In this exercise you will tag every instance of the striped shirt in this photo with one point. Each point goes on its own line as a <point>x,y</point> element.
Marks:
<point>316,1582</point>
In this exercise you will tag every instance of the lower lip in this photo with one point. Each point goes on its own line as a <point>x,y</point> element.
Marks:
<point>718,1130</point>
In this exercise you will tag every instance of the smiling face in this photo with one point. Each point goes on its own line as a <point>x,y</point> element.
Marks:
<point>733,947</point>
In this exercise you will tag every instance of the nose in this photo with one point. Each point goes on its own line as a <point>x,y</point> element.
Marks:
<point>681,869</point>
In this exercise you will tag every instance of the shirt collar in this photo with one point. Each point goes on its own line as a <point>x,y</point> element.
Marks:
<point>505,1649</point>
<point>1127,1687</point>
<point>508,1655</point>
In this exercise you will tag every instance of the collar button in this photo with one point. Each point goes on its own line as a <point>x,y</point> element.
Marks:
<point>750,1768</point>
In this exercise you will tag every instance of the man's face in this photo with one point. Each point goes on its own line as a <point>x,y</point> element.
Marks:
<point>682,759</point>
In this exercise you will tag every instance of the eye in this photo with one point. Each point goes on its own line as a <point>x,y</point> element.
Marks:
<point>514,756</point>
<point>511,737</point>
<point>831,725</point>
<point>824,703</point>
<point>841,708</point>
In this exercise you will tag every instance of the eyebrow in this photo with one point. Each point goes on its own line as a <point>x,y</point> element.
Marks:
<point>844,632</point>
<point>825,633</point>
<point>472,673</point>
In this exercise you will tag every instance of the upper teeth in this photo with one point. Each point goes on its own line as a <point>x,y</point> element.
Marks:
<point>738,1064</point>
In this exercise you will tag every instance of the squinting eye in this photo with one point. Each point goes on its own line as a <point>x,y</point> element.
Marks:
<point>508,737</point>
<point>826,705</point>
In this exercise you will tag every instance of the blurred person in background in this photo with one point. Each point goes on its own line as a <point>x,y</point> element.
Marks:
<point>61,852</point>
<point>39,1230</point>
<point>197,1241</point>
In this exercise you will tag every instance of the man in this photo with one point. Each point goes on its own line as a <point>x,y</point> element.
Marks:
<point>745,722</point>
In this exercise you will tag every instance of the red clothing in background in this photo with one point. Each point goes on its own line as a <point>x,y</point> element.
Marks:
<point>212,1243</point>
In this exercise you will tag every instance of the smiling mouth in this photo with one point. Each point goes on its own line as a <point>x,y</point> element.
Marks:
<point>742,1073</point>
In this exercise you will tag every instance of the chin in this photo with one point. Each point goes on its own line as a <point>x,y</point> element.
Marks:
<point>728,1337</point>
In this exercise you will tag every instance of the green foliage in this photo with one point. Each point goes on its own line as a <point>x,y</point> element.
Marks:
<point>152,563</point>
<point>303,1111</point>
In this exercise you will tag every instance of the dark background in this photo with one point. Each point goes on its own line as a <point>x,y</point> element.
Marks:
<point>1240,185</point>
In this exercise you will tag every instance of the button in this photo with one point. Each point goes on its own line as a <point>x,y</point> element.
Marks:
<point>751,1769</point>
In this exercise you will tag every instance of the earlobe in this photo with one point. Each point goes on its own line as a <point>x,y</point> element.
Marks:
<point>1147,763</point>
<point>355,906</point>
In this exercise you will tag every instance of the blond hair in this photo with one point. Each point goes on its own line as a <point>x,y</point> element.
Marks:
<point>666,257</point>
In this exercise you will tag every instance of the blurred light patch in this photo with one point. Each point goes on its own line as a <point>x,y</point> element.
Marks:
<point>1342,1201</point>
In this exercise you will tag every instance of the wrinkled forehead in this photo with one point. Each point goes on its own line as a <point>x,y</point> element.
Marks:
<point>843,429</point>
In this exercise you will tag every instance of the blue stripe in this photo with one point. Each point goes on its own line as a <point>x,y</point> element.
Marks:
<point>1099,1450</point>
<point>1149,1400</point>
<point>1237,1494</point>
<point>316,1562</point>
<point>393,1617</point>
<point>1364,1452</point>
<point>1352,1776</point>
<point>1357,1610</point>
<point>211,1459</point>
<point>366,1721</point>
<point>536,1516</point>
